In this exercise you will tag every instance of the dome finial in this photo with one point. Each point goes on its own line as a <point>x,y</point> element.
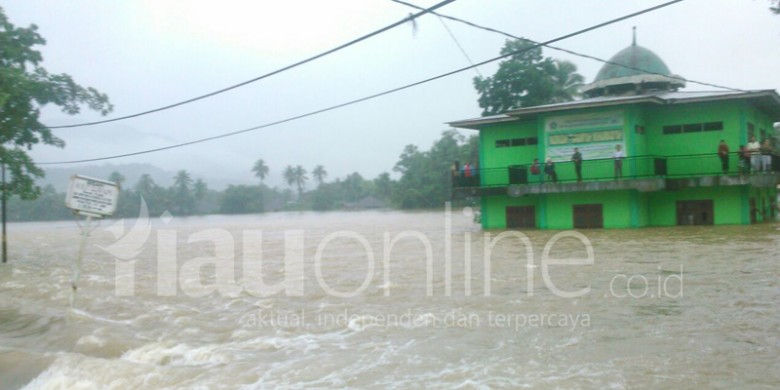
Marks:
<point>634,41</point>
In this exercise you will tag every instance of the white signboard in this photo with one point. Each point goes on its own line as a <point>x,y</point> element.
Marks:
<point>595,134</point>
<point>91,196</point>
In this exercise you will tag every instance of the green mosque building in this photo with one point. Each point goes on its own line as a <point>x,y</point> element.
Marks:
<point>668,171</point>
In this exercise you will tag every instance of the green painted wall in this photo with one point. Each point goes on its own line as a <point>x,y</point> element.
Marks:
<point>692,143</point>
<point>616,208</point>
<point>726,202</point>
<point>760,122</point>
<point>640,210</point>
<point>704,142</point>
<point>494,161</point>
<point>766,198</point>
<point>494,209</point>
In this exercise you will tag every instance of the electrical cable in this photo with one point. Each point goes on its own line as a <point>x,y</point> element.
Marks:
<point>411,17</point>
<point>370,97</point>
<point>457,43</point>
<point>466,22</point>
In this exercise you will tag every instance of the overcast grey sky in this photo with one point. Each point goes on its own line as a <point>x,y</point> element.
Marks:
<point>149,53</point>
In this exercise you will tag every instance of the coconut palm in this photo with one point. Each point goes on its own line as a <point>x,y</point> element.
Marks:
<point>567,81</point>
<point>289,175</point>
<point>300,179</point>
<point>260,169</point>
<point>145,184</point>
<point>117,178</point>
<point>200,188</point>
<point>184,203</point>
<point>319,173</point>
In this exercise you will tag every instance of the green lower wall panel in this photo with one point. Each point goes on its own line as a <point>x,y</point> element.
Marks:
<point>726,201</point>
<point>494,209</point>
<point>765,201</point>
<point>616,208</point>
<point>632,209</point>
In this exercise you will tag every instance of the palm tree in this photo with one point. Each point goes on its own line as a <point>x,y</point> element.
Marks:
<point>260,169</point>
<point>117,178</point>
<point>289,175</point>
<point>319,173</point>
<point>300,179</point>
<point>567,81</point>
<point>200,188</point>
<point>182,181</point>
<point>145,184</point>
<point>182,195</point>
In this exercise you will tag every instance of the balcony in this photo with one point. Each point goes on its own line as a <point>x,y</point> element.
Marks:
<point>642,173</point>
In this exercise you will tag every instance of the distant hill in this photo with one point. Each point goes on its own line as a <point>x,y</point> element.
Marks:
<point>59,177</point>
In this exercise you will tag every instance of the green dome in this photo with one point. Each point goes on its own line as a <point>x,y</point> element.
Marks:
<point>634,70</point>
<point>636,57</point>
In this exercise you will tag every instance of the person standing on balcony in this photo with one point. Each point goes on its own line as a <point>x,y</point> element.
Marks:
<point>577,158</point>
<point>535,170</point>
<point>549,169</point>
<point>723,153</point>
<point>766,155</point>
<point>755,154</point>
<point>618,156</point>
<point>744,160</point>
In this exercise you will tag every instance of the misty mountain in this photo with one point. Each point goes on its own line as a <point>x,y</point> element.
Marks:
<point>59,177</point>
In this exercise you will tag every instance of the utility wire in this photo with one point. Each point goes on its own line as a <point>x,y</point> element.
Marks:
<point>370,97</point>
<point>569,51</point>
<point>457,43</point>
<point>411,18</point>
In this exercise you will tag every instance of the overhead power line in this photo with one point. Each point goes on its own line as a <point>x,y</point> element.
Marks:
<point>370,97</point>
<point>506,34</point>
<point>409,18</point>
<point>457,43</point>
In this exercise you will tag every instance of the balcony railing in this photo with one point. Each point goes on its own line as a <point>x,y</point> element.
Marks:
<point>637,167</point>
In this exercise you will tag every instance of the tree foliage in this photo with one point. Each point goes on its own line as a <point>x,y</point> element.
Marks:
<point>260,169</point>
<point>425,182</point>
<point>526,78</point>
<point>182,199</point>
<point>319,173</point>
<point>426,175</point>
<point>25,87</point>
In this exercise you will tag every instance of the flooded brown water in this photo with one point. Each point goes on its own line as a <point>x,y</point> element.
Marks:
<point>693,307</point>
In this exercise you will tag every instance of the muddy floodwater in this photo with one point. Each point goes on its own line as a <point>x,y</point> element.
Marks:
<point>387,300</point>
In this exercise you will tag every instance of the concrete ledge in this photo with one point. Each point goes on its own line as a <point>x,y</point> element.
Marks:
<point>758,180</point>
<point>642,185</point>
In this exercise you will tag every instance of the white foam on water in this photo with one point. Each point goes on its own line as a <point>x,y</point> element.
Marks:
<point>78,313</point>
<point>77,372</point>
<point>91,341</point>
<point>13,284</point>
<point>168,353</point>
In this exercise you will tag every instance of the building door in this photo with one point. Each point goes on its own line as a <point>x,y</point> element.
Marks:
<point>588,216</point>
<point>695,212</point>
<point>520,217</point>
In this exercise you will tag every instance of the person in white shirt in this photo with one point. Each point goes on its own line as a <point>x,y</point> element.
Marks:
<point>766,155</point>
<point>755,154</point>
<point>618,156</point>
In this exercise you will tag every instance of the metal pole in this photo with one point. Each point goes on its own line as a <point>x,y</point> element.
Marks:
<point>77,264</point>
<point>5,246</point>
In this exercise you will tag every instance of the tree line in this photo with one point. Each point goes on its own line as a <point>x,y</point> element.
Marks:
<point>424,182</point>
